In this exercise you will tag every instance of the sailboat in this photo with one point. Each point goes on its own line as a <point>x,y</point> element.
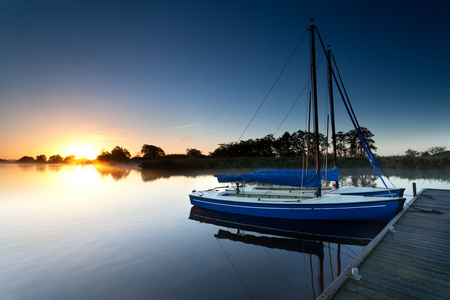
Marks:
<point>303,205</point>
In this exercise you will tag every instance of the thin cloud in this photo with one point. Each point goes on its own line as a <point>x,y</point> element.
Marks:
<point>233,118</point>
<point>184,139</point>
<point>44,119</point>
<point>185,126</point>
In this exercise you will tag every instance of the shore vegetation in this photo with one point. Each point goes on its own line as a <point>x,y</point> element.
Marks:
<point>290,150</point>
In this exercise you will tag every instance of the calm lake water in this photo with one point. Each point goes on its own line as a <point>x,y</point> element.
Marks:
<point>91,232</point>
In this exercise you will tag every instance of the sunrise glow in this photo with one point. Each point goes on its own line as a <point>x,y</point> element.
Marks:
<point>85,151</point>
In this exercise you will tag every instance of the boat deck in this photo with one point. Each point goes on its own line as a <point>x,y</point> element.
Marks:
<point>409,259</point>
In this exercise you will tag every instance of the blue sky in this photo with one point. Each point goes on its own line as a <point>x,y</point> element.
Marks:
<point>191,74</point>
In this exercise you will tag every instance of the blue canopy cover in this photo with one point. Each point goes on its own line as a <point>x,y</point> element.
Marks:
<point>290,177</point>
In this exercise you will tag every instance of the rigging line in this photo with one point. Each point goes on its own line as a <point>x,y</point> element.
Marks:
<point>281,273</point>
<point>273,85</point>
<point>354,115</point>
<point>343,88</point>
<point>352,111</point>
<point>359,133</point>
<point>267,96</point>
<point>340,78</point>
<point>282,122</point>
<point>348,248</point>
<point>240,277</point>
<point>292,107</point>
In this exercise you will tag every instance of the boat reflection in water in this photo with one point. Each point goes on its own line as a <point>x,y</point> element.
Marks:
<point>307,237</point>
<point>341,232</point>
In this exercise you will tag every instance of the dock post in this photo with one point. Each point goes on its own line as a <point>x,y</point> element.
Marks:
<point>414,189</point>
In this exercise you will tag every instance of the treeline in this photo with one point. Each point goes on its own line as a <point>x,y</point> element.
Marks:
<point>440,160</point>
<point>117,154</point>
<point>299,144</point>
<point>287,151</point>
<point>247,163</point>
<point>54,159</point>
<point>429,151</point>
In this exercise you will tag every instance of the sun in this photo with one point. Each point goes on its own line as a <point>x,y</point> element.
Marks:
<point>81,151</point>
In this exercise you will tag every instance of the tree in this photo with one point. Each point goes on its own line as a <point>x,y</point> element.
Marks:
<point>120,154</point>
<point>104,156</point>
<point>355,145</point>
<point>368,136</point>
<point>55,159</point>
<point>151,151</point>
<point>436,150</point>
<point>283,146</point>
<point>194,153</point>
<point>341,149</point>
<point>222,151</point>
<point>69,159</point>
<point>299,143</point>
<point>265,146</point>
<point>411,152</point>
<point>116,154</point>
<point>26,159</point>
<point>41,158</point>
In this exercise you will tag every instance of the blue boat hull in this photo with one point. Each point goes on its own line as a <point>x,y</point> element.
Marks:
<point>382,211</point>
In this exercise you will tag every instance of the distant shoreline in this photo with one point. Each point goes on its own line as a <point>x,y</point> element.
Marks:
<point>205,163</point>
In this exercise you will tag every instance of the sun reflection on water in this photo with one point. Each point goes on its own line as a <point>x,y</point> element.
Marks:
<point>81,176</point>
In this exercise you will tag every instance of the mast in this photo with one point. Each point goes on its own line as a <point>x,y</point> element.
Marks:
<point>330,94</point>
<point>309,130</point>
<point>312,28</point>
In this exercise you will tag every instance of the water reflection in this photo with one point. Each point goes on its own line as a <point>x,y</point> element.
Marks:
<point>433,174</point>
<point>116,172</point>
<point>41,168</point>
<point>116,232</point>
<point>353,176</point>
<point>352,233</point>
<point>152,175</point>
<point>368,177</point>
<point>359,180</point>
<point>305,237</point>
<point>55,168</point>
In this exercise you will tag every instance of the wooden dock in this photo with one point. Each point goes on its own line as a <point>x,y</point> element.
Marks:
<point>409,259</point>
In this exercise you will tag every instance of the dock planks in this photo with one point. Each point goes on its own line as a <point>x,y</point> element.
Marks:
<point>412,261</point>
